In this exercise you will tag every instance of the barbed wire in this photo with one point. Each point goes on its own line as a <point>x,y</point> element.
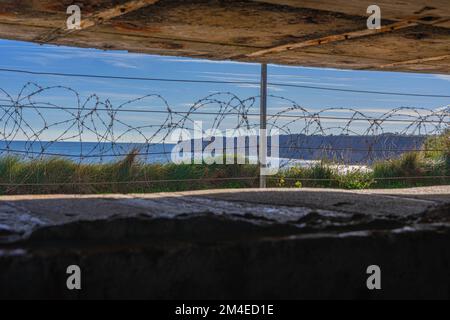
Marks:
<point>46,122</point>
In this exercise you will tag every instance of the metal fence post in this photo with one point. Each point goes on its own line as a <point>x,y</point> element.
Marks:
<point>263,127</point>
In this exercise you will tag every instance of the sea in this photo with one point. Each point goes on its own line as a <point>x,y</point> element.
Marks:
<point>97,152</point>
<point>87,152</point>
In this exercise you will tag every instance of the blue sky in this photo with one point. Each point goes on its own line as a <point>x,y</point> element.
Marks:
<point>180,96</point>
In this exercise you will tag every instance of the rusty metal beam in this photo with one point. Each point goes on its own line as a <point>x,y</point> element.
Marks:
<point>97,19</point>
<point>335,38</point>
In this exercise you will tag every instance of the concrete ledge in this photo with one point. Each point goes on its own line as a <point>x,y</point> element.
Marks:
<point>248,244</point>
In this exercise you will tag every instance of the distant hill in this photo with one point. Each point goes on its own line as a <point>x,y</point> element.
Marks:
<point>349,149</point>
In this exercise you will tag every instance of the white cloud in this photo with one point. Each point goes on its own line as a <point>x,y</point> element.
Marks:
<point>256,86</point>
<point>442,77</point>
<point>121,64</point>
<point>309,68</point>
<point>187,60</point>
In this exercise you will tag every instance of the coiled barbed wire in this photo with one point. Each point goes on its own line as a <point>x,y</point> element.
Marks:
<point>32,125</point>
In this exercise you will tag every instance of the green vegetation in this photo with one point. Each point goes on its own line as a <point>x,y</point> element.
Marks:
<point>415,167</point>
<point>56,175</point>
<point>129,175</point>
<point>412,169</point>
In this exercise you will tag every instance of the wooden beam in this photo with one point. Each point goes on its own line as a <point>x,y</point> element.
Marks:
<point>96,19</point>
<point>335,38</point>
<point>415,61</point>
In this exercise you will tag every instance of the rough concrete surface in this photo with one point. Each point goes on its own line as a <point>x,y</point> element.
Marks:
<point>249,244</point>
